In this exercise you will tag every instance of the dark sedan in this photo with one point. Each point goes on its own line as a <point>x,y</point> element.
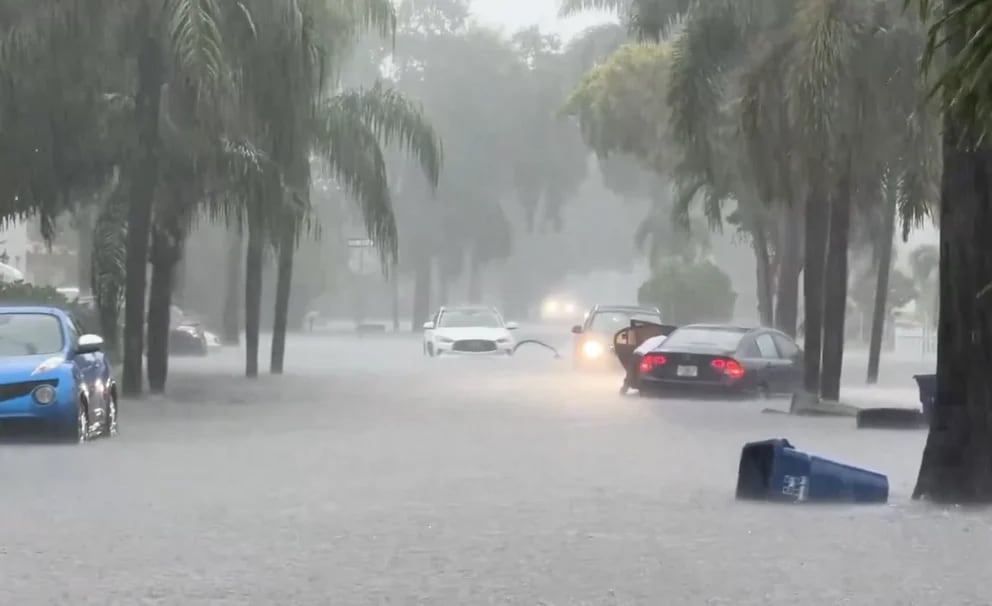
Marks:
<point>722,360</point>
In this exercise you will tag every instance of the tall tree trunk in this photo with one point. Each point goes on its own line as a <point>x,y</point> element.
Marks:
<point>179,280</point>
<point>879,314</point>
<point>84,256</point>
<point>957,459</point>
<point>231,330</point>
<point>835,290</point>
<point>421,294</point>
<point>284,282</point>
<point>253,297</point>
<point>474,279</point>
<point>164,256</point>
<point>790,265</point>
<point>763,273</point>
<point>817,226</point>
<point>395,284</point>
<point>143,179</point>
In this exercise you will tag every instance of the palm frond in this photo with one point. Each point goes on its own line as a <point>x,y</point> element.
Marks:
<point>352,153</point>
<point>393,118</point>
<point>196,40</point>
<point>572,7</point>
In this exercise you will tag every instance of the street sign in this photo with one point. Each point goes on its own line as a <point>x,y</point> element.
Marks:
<point>360,243</point>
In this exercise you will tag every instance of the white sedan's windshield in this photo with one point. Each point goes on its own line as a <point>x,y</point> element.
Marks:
<point>29,334</point>
<point>461,318</point>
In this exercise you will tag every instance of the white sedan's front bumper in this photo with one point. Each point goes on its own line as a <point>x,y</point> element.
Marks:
<point>448,348</point>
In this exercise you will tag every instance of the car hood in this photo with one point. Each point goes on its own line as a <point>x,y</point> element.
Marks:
<point>19,368</point>
<point>458,334</point>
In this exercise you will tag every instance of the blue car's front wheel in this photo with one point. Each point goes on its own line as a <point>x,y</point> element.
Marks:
<point>78,431</point>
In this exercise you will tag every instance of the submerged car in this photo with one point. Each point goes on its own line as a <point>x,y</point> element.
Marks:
<point>560,308</point>
<point>468,330</point>
<point>53,376</point>
<point>720,360</point>
<point>593,339</point>
<point>188,339</point>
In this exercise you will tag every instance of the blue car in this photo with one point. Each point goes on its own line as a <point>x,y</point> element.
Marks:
<point>53,376</point>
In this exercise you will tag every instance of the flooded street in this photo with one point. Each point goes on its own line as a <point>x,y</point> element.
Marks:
<point>372,475</point>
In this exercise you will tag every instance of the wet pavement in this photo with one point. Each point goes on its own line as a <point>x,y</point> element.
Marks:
<point>372,475</point>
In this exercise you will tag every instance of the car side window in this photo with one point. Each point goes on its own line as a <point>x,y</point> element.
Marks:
<point>766,346</point>
<point>750,350</point>
<point>788,348</point>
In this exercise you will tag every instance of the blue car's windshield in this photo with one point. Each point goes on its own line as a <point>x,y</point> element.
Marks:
<point>27,334</point>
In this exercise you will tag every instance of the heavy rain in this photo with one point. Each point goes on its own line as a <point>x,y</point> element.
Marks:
<point>494,302</point>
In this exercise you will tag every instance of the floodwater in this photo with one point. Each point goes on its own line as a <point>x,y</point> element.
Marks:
<point>372,475</point>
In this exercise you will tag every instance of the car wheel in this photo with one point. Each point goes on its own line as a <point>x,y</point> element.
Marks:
<point>763,393</point>
<point>80,430</point>
<point>109,428</point>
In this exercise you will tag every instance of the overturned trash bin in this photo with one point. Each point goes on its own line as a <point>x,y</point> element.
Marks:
<point>773,470</point>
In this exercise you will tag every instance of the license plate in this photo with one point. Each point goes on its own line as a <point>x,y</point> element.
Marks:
<point>688,371</point>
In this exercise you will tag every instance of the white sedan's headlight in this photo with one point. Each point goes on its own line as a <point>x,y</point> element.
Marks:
<point>592,349</point>
<point>503,340</point>
<point>445,340</point>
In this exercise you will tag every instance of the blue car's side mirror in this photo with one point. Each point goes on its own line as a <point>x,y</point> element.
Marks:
<point>89,344</point>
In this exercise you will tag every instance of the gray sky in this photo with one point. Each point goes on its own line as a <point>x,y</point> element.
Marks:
<point>517,14</point>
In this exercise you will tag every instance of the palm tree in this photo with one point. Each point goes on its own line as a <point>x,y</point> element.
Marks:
<point>955,460</point>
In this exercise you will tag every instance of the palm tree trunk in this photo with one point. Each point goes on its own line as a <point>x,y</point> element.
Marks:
<point>817,217</point>
<point>955,466</point>
<point>179,281</point>
<point>421,294</point>
<point>143,180</point>
<point>84,258</point>
<point>231,330</point>
<point>763,273</point>
<point>395,283</point>
<point>284,280</point>
<point>790,265</point>
<point>835,292</point>
<point>253,297</point>
<point>164,257</point>
<point>882,284</point>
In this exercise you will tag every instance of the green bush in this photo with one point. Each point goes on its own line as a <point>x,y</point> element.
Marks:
<point>23,293</point>
<point>689,292</point>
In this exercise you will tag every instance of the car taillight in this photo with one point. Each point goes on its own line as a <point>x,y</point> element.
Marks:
<point>652,361</point>
<point>729,367</point>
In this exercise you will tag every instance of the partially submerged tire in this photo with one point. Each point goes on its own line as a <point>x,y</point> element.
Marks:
<point>109,428</point>
<point>891,418</point>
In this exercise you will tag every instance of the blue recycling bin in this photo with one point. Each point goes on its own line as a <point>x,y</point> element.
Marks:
<point>928,392</point>
<point>773,470</point>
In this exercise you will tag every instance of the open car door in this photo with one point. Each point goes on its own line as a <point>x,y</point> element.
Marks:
<point>625,341</point>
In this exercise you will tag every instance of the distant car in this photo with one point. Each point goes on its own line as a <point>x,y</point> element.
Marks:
<point>594,337</point>
<point>723,360</point>
<point>188,338</point>
<point>54,377</point>
<point>560,308</point>
<point>468,330</point>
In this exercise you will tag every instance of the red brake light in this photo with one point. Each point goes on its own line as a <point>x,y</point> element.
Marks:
<point>729,367</point>
<point>650,361</point>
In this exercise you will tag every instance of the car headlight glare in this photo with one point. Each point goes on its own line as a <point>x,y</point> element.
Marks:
<point>44,394</point>
<point>592,349</point>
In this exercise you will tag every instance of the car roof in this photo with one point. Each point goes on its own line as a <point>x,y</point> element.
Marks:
<point>641,308</point>
<point>468,308</point>
<point>32,309</point>
<point>725,327</point>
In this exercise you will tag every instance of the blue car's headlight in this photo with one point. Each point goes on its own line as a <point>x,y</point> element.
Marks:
<point>44,394</point>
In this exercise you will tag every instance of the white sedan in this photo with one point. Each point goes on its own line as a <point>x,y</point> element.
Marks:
<point>468,330</point>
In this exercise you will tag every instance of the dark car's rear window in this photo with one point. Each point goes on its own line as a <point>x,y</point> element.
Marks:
<point>716,338</point>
